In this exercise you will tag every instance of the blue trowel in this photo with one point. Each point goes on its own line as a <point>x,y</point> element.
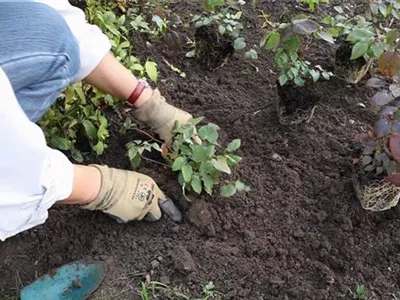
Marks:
<point>75,281</point>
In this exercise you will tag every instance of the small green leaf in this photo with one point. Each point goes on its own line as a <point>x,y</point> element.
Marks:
<point>201,152</point>
<point>136,161</point>
<point>328,20</point>
<point>99,148</point>
<point>239,44</point>
<point>209,132</point>
<point>241,186</point>
<point>273,41</point>
<point>234,145</point>
<point>196,121</point>
<point>299,81</point>
<point>228,190</point>
<point>391,36</point>
<point>326,37</point>
<point>332,32</point>
<point>251,54</point>
<point>293,44</point>
<point>383,9</point>
<point>90,129</point>
<point>178,163</point>
<point>283,79</point>
<point>221,164</point>
<point>360,34</point>
<point>233,160</point>
<point>77,155</point>
<point>359,50</point>
<point>315,74</point>
<point>206,167</point>
<point>196,184</point>
<point>151,70</point>
<point>187,172</point>
<point>208,184</point>
<point>377,50</point>
<point>60,143</point>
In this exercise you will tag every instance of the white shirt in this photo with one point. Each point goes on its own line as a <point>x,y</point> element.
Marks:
<point>33,176</point>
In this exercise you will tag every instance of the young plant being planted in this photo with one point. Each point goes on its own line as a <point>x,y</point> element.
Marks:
<point>289,41</point>
<point>200,167</point>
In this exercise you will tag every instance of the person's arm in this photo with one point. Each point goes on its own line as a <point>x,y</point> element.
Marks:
<point>32,176</point>
<point>100,69</point>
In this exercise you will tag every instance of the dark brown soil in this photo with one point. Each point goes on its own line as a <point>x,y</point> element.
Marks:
<point>212,48</point>
<point>294,98</point>
<point>299,234</point>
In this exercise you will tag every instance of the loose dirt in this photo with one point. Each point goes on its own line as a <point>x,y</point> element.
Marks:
<point>299,234</point>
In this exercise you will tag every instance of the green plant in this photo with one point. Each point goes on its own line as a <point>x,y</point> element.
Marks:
<point>227,18</point>
<point>136,150</point>
<point>212,5</point>
<point>158,290</point>
<point>312,3</point>
<point>384,10</point>
<point>289,41</point>
<point>368,40</point>
<point>199,166</point>
<point>73,117</point>
<point>361,292</point>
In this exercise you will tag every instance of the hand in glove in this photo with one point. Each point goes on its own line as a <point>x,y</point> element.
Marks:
<point>161,116</point>
<point>128,196</point>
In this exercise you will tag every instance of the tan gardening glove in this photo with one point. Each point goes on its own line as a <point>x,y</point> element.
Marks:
<point>161,116</point>
<point>127,196</point>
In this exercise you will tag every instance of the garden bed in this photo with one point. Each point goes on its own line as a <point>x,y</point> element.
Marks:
<point>299,234</point>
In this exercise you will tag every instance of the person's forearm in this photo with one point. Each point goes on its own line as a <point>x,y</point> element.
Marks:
<point>86,185</point>
<point>113,78</point>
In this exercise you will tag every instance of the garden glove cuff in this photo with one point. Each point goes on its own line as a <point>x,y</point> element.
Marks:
<point>127,196</point>
<point>161,116</point>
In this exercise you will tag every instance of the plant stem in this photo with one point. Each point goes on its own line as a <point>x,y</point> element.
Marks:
<point>147,134</point>
<point>154,161</point>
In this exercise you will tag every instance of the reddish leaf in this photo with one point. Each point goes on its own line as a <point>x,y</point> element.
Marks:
<point>382,127</point>
<point>395,146</point>
<point>394,179</point>
<point>389,63</point>
<point>382,98</point>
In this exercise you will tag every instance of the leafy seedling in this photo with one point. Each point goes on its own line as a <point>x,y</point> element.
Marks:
<point>312,4</point>
<point>289,41</point>
<point>200,167</point>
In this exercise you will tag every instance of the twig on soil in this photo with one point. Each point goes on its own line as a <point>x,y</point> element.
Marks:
<point>311,115</point>
<point>154,161</point>
<point>147,134</point>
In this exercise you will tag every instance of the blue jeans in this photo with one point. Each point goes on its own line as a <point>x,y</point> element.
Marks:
<point>38,52</point>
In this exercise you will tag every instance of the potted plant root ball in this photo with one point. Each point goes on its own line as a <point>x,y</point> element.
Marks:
<point>218,33</point>
<point>296,102</point>
<point>376,177</point>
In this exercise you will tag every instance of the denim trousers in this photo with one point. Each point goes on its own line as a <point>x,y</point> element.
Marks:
<point>38,52</point>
